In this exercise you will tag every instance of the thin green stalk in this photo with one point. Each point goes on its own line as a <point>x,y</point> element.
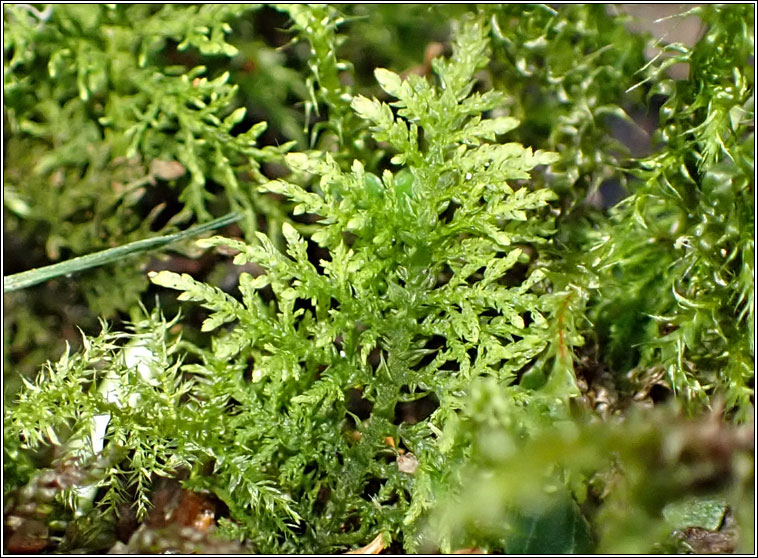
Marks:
<point>33,276</point>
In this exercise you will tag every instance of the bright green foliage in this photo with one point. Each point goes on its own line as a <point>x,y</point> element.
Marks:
<point>115,128</point>
<point>319,24</point>
<point>417,345</point>
<point>109,61</point>
<point>343,133</point>
<point>400,283</point>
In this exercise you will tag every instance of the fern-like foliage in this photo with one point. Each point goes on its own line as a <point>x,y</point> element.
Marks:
<point>410,301</point>
<point>119,121</point>
<point>319,23</point>
<point>99,63</point>
<point>399,355</point>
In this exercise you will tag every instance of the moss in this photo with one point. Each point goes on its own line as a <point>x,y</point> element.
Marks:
<point>434,330</point>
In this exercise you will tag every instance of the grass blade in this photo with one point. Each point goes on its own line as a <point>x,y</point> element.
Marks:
<point>34,276</point>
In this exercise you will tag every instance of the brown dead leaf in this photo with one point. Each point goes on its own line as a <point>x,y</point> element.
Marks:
<point>374,547</point>
<point>407,463</point>
<point>433,50</point>
<point>166,170</point>
<point>703,541</point>
<point>30,536</point>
